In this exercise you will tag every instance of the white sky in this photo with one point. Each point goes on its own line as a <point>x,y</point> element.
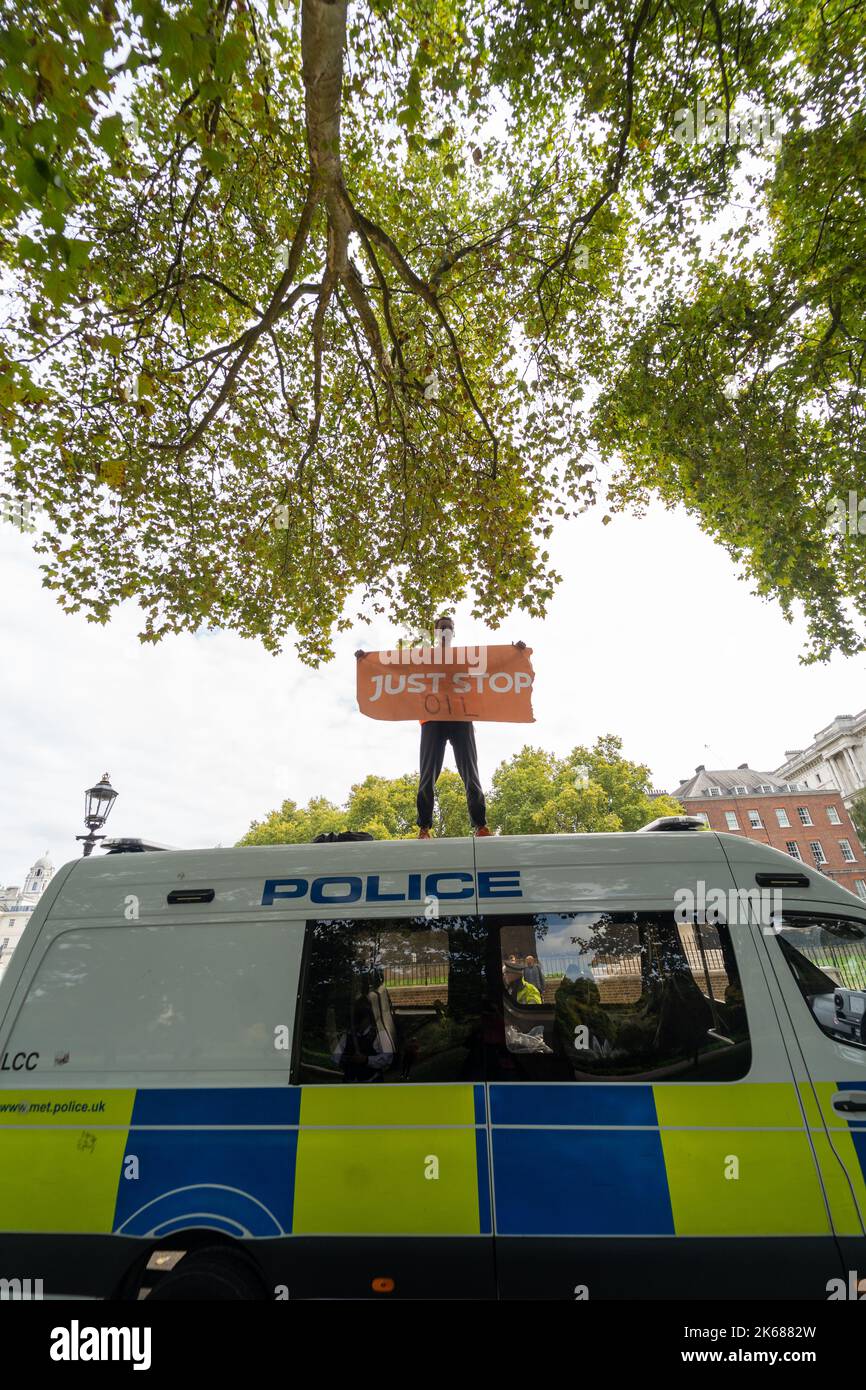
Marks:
<point>651,636</point>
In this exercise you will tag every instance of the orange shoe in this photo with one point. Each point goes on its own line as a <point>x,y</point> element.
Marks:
<point>481,830</point>
<point>424,835</point>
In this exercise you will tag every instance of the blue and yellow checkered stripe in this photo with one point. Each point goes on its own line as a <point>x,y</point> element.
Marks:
<point>653,1160</point>
<point>581,1159</point>
<point>257,1161</point>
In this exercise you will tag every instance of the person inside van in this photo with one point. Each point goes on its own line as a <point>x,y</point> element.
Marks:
<point>364,1052</point>
<point>517,987</point>
<point>533,974</point>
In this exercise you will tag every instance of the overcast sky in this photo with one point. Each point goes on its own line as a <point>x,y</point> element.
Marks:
<point>651,636</point>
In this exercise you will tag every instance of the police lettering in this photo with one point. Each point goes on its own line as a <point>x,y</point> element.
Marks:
<point>445,886</point>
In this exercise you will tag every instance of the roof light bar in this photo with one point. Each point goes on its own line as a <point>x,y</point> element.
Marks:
<point>674,823</point>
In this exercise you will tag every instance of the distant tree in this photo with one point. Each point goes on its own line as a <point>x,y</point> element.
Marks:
<point>383,806</point>
<point>857,812</point>
<point>292,825</point>
<point>535,793</point>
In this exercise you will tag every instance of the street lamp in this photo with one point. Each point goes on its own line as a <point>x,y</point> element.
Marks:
<point>98,802</point>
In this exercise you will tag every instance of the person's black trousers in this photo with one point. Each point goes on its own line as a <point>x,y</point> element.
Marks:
<point>461,735</point>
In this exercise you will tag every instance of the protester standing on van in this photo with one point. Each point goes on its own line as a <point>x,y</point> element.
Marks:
<point>435,734</point>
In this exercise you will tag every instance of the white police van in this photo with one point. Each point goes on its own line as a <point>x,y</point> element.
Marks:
<point>569,1067</point>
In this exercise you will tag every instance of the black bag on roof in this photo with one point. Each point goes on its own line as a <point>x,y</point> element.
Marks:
<point>332,837</point>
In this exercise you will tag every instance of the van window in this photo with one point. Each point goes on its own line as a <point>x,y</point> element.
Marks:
<point>629,995</point>
<point>392,1000</point>
<point>827,957</point>
<point>137,999</point>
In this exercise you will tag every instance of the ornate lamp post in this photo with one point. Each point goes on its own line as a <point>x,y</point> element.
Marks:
<point>98,802</point>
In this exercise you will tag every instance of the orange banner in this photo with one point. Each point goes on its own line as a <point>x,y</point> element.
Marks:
<point>462,683</point>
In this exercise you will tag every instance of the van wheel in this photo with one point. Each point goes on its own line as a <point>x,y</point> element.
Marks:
<point>208,1275</point>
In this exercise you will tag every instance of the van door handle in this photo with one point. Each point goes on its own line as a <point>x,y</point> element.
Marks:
<point>849,1100</point>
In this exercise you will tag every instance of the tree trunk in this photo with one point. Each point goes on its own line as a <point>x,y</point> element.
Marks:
<point>323,39</point>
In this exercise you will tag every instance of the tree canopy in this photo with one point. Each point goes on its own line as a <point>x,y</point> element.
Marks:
<point>857,812</point>
<point>533,793</point>
<point>317,308</point>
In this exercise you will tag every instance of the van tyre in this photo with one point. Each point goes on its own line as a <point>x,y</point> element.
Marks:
<point>211,1275</point>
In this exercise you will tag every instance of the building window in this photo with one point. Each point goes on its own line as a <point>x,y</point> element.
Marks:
<point>782,818</point>
<point>741,791</point>
<point>860,885</point>
<point>714,791</point>
<point>847,852</point>
<point>731,818</point>
<point>803,813</point>
<point>755,820</point>
<point>764,788</point>
<point>833,816</point>
<point>793,849</point>
<point>795,786</point>
<point>702,815</point>
<point>818,852</point>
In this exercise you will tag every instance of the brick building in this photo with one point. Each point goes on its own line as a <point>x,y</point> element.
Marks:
<point>810,825</point>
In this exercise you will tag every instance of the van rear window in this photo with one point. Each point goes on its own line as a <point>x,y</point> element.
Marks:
<point>144,999</point>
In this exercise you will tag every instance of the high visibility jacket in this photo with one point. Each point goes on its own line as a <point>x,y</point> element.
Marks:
<point>528,994</point>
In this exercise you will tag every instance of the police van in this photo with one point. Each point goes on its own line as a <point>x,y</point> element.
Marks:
<point>608,1066</point>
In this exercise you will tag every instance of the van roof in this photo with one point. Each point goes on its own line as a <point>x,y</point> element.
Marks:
<point>242,861</point>
<point>237,873</point>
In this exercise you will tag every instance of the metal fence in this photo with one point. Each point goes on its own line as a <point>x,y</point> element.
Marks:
<point>848,961</point>
<point>613,966</point>
<point>434,972</point>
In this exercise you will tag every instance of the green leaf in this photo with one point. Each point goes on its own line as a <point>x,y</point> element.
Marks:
<point>108,133</point>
